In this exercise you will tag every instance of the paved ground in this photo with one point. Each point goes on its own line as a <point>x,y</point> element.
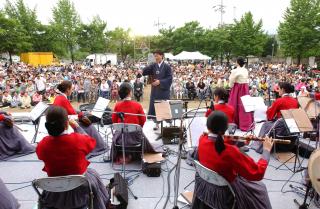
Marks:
<point>18,174</point>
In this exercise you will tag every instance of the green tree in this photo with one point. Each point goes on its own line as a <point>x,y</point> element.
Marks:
<point>92,36</point>
<point>13,36</point>
<point>299,32</point>
<point>27,18</point>
<point>218,42</point>
<point>248,38</point>
<point>66,23</point>
<point>120,42</point>
<point>271,46</point>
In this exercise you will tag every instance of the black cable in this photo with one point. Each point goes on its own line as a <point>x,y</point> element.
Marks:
<point>162,192</point>
<point>20,188</point>
<point>168,181</point>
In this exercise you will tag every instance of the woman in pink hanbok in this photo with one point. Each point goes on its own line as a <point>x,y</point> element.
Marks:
<point>239,87</point>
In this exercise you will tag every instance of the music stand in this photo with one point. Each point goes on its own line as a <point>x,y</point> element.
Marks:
<point>168,110</point>
<point>35,115</point>
<point>297,122</point>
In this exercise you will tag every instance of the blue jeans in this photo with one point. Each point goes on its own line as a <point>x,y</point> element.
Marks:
<point>104,94</point>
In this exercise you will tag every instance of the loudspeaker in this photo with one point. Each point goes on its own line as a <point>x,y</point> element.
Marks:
<point>169,134</point>
<point>121,191</point>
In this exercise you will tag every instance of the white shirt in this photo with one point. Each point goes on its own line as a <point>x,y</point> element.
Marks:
<point>104,87</point>
<point>40,83</point>
<point>159,64</point>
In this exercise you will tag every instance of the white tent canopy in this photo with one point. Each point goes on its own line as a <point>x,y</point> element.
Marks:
<point>191,56</point>
<point>168,56</point>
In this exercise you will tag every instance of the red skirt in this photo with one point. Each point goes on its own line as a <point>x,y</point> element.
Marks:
<point>243,119</point>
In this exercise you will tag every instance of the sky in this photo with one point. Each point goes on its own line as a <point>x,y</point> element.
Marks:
<point>141,15</point>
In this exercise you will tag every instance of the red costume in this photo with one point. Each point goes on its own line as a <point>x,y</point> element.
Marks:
<point>227,109</point>
<point>317,96</point>
<point>62,101</point>
<point>128,106</point>
<point>283,103</point>
<point>65,154</point>
<point>230,162</point>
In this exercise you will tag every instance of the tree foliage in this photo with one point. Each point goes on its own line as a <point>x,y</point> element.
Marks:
<point>120,42</point>
<point>66,23</point>
<point>248,38</point>
<point>13,37</point>
<point>299,32</point>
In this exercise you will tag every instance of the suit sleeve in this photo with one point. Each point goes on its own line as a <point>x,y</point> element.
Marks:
<point>166,82</point>
<point>247,168</point>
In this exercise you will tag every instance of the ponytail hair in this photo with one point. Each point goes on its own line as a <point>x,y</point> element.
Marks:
<point>217,123</point>
<point>56,120</point>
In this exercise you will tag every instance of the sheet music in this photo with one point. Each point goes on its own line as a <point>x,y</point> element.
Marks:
<point>292,125</point>
<point>163,110</point>
<point>100,107</point>
<point>38,110</point>
<point>252,103</point>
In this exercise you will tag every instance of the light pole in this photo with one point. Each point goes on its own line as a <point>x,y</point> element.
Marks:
<point>272,51</point>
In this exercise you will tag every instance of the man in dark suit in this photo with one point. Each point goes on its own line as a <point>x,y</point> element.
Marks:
<point>161,75</point>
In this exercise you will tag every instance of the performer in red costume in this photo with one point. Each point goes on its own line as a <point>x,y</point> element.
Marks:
<point>65,154</point>
<point>275,124</point>
<point>12,143</point>
<point>61,100</point>
<point>126,107</point>
<point>220,96</point>
<point>241,171</point>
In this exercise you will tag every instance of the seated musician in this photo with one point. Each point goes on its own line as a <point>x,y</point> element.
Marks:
<point>12,142</point>
<point>61,100</point>
<point>275,125</point>
<point>240,170</point>
<point>220,96</point>
<point>127,107</point>
<point>7,200</point>
<point>65,154</point>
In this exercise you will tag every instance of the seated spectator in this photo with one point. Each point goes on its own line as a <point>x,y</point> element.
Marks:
<point>6,99</point>
<point>16,100</point>
<point>25,100</point>
<point>36,98</point>
<point>254,91</point>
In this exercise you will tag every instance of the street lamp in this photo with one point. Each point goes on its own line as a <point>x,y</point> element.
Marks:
<point>272,51</point>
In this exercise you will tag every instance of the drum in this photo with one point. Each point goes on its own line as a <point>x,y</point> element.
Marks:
<point>314,170</point>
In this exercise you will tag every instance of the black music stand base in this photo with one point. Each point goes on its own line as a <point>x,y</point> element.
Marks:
<point>304,205</point>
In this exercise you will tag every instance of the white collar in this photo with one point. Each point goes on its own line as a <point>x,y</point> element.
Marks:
<point>285,95</point>
<point>221,102</point>
<point>127,99</point>
<point>64,132</point>
<point>212,135</point>
<point>159,64</point>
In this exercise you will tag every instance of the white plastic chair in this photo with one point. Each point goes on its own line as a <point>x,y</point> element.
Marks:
<point>213,178</point>
<point>61,184</point>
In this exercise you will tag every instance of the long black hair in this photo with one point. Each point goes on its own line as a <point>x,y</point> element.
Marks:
<point>56,120</point>
<point>217,123</point>
<point>287,87</point>
<point>124,90</point>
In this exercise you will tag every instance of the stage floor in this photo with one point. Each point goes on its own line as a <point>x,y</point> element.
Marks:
<point>19,172</point>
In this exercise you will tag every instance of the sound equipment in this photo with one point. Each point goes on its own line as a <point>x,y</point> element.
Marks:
<point>169,134</point>
<point>118,188</point>
<point>151,169</point>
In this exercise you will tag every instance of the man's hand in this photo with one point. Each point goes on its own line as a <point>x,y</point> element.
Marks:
<point>267,144</point>
<point>73,123</point>
<point>156,83</point>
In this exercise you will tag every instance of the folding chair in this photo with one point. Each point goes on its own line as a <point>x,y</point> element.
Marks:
<point>213,178</point>
<point>126,128</point>
<point>61,184</point>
